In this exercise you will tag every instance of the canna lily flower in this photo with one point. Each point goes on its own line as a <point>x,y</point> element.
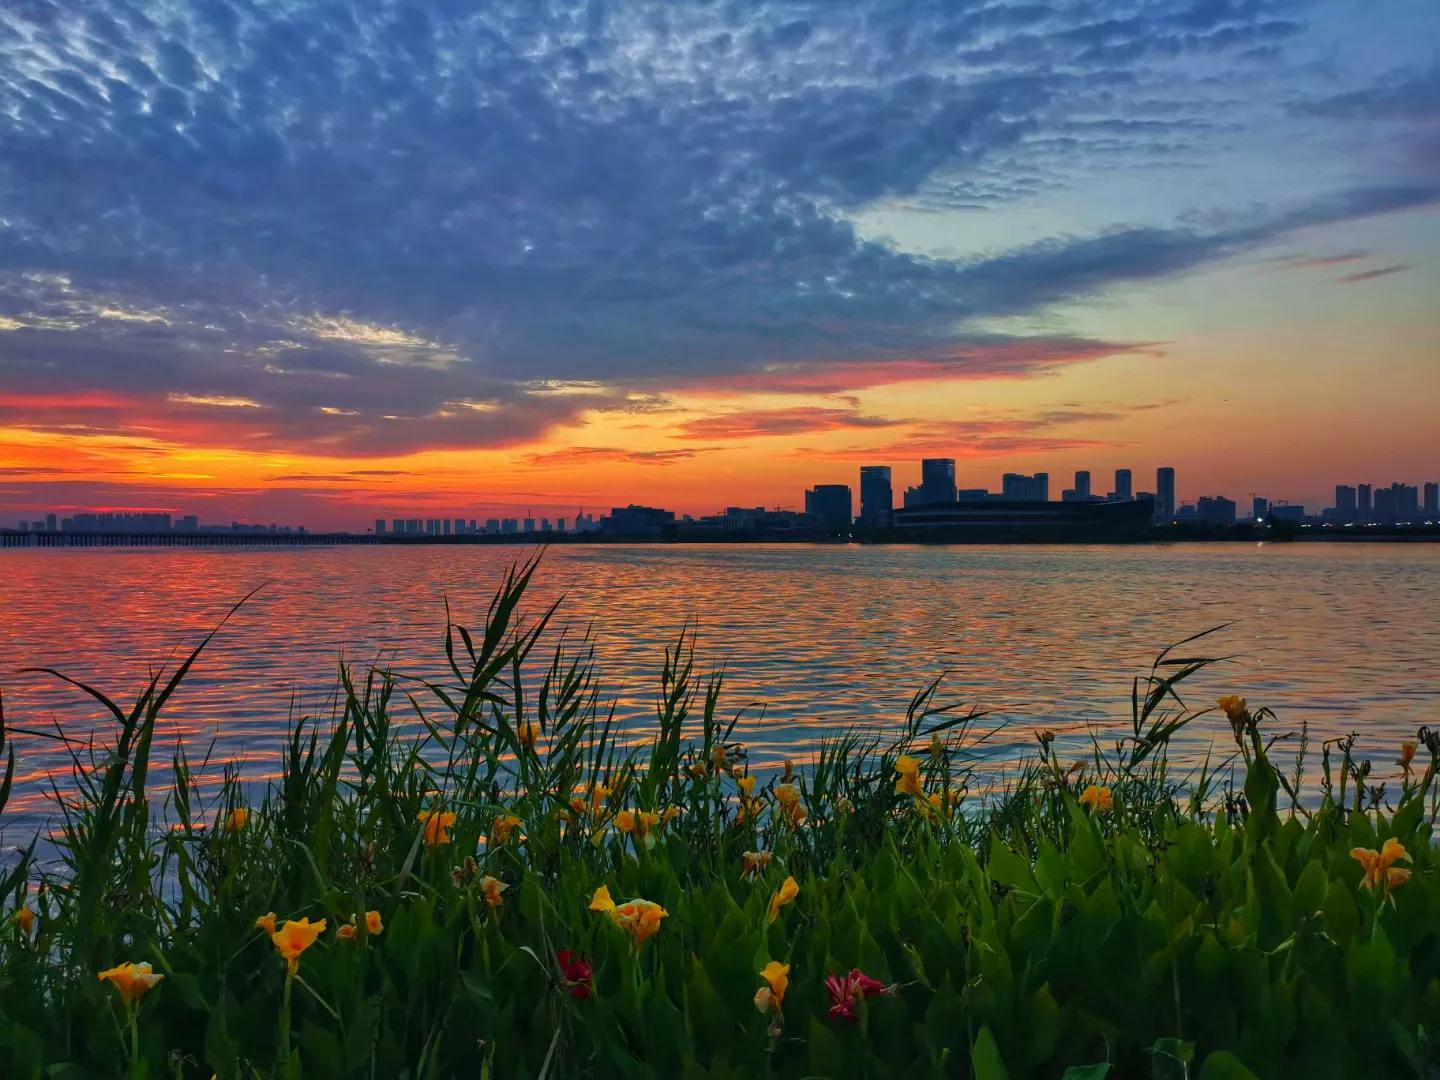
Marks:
<point>754,863</point>
<point>236,819</point>
<point>908,770</point>
<point>437,826</point>
<point>266,922</point>
<point>295,936</point>
<point>788,796</point>
<point>789,771</point>
<point>527,733</point>
<point>746,784</point>
<point>784,895</point>
<point>937,746</point>
<point>502,828</point>
<point>697,772</point>
<point>669,814</point>
<point>373,925</point>
<point>1379,865</point>
<point>598,794</point>
<point>939,804</point>
<point>1407,753</point>
<point>846,991</point>
<point>346,932</point>
<point>844,806</point>
<point>133,981</point>
<point>717,758</point>
<point>25,920</point>
<point>491,888</point>
<point>575,974</point>
<point>1235,711</point>
<point>638,918</point>
<point>1097,798</point>
<point>771,996</point>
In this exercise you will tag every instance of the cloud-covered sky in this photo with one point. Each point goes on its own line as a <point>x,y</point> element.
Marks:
<point>329,257</point>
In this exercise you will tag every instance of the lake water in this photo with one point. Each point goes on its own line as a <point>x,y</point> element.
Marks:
<point>1344,636</point>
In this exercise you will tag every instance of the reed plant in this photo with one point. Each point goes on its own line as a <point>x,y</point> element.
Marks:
<point>487,874</point>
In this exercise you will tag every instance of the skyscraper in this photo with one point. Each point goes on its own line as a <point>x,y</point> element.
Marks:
<point>877,497</point>
<point>1364,511</point>
<point>1165,494</point>
<point>829,504</point>
<point>937,479</point>
<point>1432,500</point>
<point>1123,488</point>
<point>379,526</point>
<point>1259,507</point>
<point>1344,502</point>
<point>1019,487</point>
<point>1082,483</point>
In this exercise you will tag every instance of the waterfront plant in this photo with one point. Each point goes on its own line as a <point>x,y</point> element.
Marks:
<point>486,875</point>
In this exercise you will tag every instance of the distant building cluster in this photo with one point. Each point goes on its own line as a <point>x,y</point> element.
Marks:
<point>460,526</point>
<point>146,522</point>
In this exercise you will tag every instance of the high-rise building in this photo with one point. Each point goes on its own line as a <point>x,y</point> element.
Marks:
<point>1432,500</point>
<point>1215,509</point>
<point>937,479</point>
<point>829,505</point>
<point>445,527</point>
<point>1407,501</point>
<point>529,524</point>
<point>1164,494</point>
<point>1259,507</point>
<point>560,524</point>
<point>1344,502</point>
<point>877,496</point>
<point>1082,484</point>
<point>1384,511</point>
<point>1364,508</point>
<point>1123,488</point>
<point>1017,487</point>
<point>50,523</point>
<point>460,529</point>
<point>397,525</point>
<point>379,526</point>
<point>492,526</point>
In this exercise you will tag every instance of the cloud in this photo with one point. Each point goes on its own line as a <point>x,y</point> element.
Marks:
<point>1371,275</point>
<point>577,455</point>
<point>766,422</point>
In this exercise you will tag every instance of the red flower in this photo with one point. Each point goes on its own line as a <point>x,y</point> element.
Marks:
<point>575,973</point>
<point>846,991</point>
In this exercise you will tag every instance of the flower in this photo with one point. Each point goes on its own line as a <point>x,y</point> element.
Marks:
<point>638,918</point>
<point>1379,865</point>
<point>638,822</point>
<point>938,804</point>
<point>717,758</point>
<point>1098,799</point>
<point>373,925</point>
<point>789,771</point>
<point>788,796</point>
<point>1407,753</point>
<point>576,975</point>
<point>236,819</point>
<point>132,980</point>
<point>346,932</point>
<point>771,996</point>
<point>669,814</point>
<point>25,920</point>
<point>491,888</point>
<point>1235,711</point>
<point>295,936</point>
<point>753,863</point>
<point>786,893</point>
<point>266,922</point>
<point>437,824</point>
<point>746,784</point>
<point>527,733</point>
<point>502,827</point>
<point>846,991</point>
<point>908,769</point>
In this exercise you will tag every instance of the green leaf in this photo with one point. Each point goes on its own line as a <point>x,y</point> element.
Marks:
<point>1223,1065</point>
<point>1087,1072</point>
<point>985,1058</point>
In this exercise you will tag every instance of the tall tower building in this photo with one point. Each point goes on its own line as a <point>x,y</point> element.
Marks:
<point>1082,483</point>
<point>1124,485</point>
<point>937,479</point>
<point>877,496</point>
<point>1344,502</point>
<point>1364,508</point>
<point>1165,494</point>
<point>1432,500</point>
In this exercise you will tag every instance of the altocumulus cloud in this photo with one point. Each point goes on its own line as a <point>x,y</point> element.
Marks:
<point>369,227</point>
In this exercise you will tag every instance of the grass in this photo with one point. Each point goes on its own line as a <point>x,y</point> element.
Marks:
<point>1092,918</point>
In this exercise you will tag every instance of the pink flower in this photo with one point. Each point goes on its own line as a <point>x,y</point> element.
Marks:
<point>846,991</point>
<point>575,973</point>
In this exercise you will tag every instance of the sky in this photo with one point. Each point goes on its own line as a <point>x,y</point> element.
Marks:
<point>326,261</point>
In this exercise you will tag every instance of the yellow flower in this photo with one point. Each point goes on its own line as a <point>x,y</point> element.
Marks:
<point>346,932</point>
<point>598,794</point>
<point>502,827</point>
<point>132,980</point>
<point>787,892</point>
<point>746,784</point>
<point>1098,799</point>
<point>236,819</point>
<point>938,805</point>
<point>908,770</point>
<point>25,920</point>
<point>777,980</point>
<point>669,814</point>
<point>1235,710</point>
<point>625,821</point>
<point>788,796</point>
<point>697,772</point>
<point>295,936</point>
<point>717,758</point>
<point>638,918</point>
<point>437,826</point>
<point>1379,865</point>
<point>373,925</point>
<point>527,733</point>
<point>753,863</point>
<point>1407,753</point>
<point>491,888</point>
<point>789,771</point>
<point>266,922</point>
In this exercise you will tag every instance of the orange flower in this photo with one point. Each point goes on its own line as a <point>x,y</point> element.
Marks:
<point>266,922</point>
<point>346,932</point>
<point>786,893</point>
<point>1407,753</point>
<point>502,828</point>
<point>373,925</point>
<point>908,770</point>
<point>1096,798</point>
<point>132,980</point>
<point>669,814</point>
<point>527,733</point>
<point>753,863</point>
<point>789,771</point>
<point>771,996</point>
<point>1235,711</point>
<point>295,936</point>
<point>437,826</point>
<point>638,918</point>
<point>788,796</point>
<point>491,888</point>
<point>25,920</point>
<point>236,819</point>
<point>1380,868</point>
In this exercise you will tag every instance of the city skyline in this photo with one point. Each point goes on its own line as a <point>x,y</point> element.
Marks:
<point>306,262</point>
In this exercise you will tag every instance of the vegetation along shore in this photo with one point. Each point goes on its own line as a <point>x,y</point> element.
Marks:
<point>484,875</point>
